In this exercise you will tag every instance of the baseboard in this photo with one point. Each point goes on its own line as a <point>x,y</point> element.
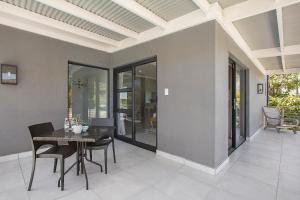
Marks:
<point>15,156</point>
<point>255,134</point>
<point>193,164</point>
<point>8,158</point>
<point>222,165</point>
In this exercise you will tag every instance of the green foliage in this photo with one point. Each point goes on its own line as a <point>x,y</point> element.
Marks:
<point>284,93</point>
<point>283,84</point>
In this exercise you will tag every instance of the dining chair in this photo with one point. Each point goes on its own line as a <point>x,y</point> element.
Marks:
<point>103,143</point>
<point>54,151</point>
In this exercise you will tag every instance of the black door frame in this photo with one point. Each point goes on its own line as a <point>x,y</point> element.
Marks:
<point>245,87</point>
<point>131,67</point>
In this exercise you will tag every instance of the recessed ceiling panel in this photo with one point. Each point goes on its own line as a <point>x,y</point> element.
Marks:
<point>260,31</point>
<point>227,3</point>
<point>115,13</point>
<point>292,61</point>
<point>271,63</point>
<point>291,24</point>
<point>53,13</point>
<point>169,9</point>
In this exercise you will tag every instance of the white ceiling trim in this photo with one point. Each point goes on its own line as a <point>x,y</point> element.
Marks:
<point>236,36</point>
<point>281,39</point>
<point>266,53</point>
<point>34,17</point>
<point>72,9</point>
<point>141,11</point>
<point>254,7</point>
<point>189,20</point>
<point>231,30</point>
<point>273,52</point>
<point>207,12</point>
<point>204,5</point>
<point>42,29</point>
<point>280,71</point>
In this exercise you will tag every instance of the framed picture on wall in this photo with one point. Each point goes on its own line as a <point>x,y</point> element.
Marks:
<point>260,88</point>
<point>9,74</point>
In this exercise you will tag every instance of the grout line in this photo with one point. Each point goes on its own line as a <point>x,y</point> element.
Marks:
<point>277,186</point>
<point>21,170</point>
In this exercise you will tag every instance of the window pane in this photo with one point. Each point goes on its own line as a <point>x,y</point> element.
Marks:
<point>124,124</point>
<point>124,80</point>
<point>88,92</point>
<point>124,100</point>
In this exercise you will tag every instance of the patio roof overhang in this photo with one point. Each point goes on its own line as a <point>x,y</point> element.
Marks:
<point>266,30</point>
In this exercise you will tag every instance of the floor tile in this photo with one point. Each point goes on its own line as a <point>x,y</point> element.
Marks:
<point>80,195</point>
<point>149,194</point>
<point>183,187</point>
<point>247,187</point>
<point>14,193</point>
<point>218,194</point>
<point>265,175</point>
<point>254,172</point>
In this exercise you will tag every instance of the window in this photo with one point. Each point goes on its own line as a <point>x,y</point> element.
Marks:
<point>87,92</point>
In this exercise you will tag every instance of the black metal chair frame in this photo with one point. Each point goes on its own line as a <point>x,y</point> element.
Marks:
<point>57,152</point>
<point>90,148</point>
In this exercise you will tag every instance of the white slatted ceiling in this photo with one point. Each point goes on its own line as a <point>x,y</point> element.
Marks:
<point>53,13</point>
<point>115,13</point>
<point>169,9</point>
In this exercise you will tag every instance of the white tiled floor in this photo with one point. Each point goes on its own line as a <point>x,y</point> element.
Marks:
<point>266,168</point>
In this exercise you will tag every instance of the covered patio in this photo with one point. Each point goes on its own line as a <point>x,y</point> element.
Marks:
<point>267,167</point>
<point>146,99</point>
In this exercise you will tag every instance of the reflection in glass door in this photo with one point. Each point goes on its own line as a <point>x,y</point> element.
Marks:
<point>123,92</point>
<point>135,100</point>
<point>237,106</point>
<point>145,103</point>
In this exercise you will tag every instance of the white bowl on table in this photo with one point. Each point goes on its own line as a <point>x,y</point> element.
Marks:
<point>77,129</point>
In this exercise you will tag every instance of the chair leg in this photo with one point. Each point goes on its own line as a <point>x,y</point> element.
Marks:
<point>91,154</point>
<point>32,173</point>
<point>55,165</point>
<point>62,170</point>
<point>105,159</point>
<point>113,148</point>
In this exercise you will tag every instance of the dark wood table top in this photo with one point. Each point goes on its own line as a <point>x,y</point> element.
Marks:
<point>92,135</point>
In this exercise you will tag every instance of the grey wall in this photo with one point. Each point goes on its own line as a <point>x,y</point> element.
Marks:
<point>193,64</point>
<point>226,47</point>
<point>186,67</point>
<point>41,94</point>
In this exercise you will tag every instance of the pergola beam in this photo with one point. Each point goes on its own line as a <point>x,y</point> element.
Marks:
<point>203,5</point>
<point>74,10</point>
<point>287,71</point>
<point>274,52</point>
<point>281,39</point>
<point>254,7</point>
<point>141,11</point>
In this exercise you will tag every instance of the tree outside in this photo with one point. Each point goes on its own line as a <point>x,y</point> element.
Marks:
<point>284,92</point>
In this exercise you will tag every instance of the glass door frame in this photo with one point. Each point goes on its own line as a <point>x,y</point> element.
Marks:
<point>131,67</point>
<point>108,85</point>
<point>243,103</point>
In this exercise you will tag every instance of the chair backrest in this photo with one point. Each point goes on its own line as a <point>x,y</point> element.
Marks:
<point>272,112</point>
<point>38,130</point>
<point>109,122</point>
<point>102,122</point>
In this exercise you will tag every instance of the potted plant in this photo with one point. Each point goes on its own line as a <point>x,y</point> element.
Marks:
<point>77,127</point>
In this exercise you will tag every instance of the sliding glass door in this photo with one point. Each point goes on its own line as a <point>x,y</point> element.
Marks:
<point>237,106</point>
<point>87,92</point>
<point>124,100</point>
<point>136,103</point>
